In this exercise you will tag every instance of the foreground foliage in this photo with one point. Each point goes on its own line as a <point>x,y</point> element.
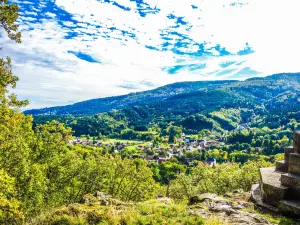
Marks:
<point>150,212</point>
<point>206,209</point>
<point>222,179</point>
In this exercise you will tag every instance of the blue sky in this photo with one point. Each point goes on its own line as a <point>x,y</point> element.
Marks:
<point>74,50</point>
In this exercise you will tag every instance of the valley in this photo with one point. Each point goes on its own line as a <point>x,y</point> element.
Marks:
<point>187,153</point>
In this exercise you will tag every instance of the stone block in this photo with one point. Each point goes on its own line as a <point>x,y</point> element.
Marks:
<point>294,163</point>
<point>271,189</point>
<point>291,180</point>
<point>287,152</point>
<point>297,141</point>
<point>256,196</point>
<point>280,186</point>
<point>290,207</point>
<point>282,166</point>
<point>273,194</point>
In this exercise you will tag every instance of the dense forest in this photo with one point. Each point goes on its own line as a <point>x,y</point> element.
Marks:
<point>276,93</point>
<point>94,106</point>
<point>253,116</point>
<point>271,101</point>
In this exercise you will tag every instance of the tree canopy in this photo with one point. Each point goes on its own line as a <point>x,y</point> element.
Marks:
<point>8,18</point>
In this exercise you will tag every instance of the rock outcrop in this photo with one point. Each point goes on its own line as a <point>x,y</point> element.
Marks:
<point>279,187</point>
<point>224,209</point>
<point>103,199</point>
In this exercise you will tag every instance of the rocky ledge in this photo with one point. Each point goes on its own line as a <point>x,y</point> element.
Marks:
<point>225,209</point>
<point>205,209</point>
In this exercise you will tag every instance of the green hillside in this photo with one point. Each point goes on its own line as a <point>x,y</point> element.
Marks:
<point>273,100</point>
<point>94,106</point>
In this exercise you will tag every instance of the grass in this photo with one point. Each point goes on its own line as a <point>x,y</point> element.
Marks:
<point>272,217</point>
<point>152,212</point>
<point>215,221</point>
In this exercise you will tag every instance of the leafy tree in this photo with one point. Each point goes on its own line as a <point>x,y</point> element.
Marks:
<point>10,212</point>
<point>240,136</point>
<point>169,171</point>
<point>220,179</point>
<point>129,180</point>
<point>198,122</point>
<point>16,134</point>
<point>52,138</point>
<point>174,132</point>
<point>8,17</point>
<point>128,134</point>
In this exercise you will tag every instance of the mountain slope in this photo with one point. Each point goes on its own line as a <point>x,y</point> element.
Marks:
<point>272,100</point>
<point>269,90</point>
<point>264,95</point>
<point>94,106</point>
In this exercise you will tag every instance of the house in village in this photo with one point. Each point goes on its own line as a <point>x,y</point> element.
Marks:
<point>190,161</point>
<point>151,158</point>
<point>211,162</point>
<point>208,144</point>
<point>243,127</point>
<point>162,158</point>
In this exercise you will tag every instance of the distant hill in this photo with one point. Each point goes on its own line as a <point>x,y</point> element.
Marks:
<point>220,105</point>
<point>275,93</point>
<point>99,105</point>
<point>194,96</point>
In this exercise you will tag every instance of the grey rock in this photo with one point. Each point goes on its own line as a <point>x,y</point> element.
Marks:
<point>224,209</point>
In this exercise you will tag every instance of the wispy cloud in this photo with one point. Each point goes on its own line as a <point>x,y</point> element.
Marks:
<point>76,50</point>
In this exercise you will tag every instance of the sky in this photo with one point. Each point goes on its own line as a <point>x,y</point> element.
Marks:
<point>74,50</point>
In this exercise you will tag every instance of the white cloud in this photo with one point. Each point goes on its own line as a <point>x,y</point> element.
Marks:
<point>29,13</point>
<point>52,15</point>
<point>49,75</point>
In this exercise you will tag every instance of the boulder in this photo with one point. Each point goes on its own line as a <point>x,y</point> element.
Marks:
<point>205,197</point>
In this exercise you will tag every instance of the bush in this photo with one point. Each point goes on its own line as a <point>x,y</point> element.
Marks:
<point>220,180</point>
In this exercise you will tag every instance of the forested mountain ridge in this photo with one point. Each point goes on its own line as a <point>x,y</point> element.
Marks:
<point>94,106</point>
<point>271,89</point>
<point>268,87</point>
<point>270,101</point>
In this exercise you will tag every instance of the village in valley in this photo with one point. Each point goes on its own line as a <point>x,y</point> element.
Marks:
<point>209,146</point>
<point>155,152</point>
